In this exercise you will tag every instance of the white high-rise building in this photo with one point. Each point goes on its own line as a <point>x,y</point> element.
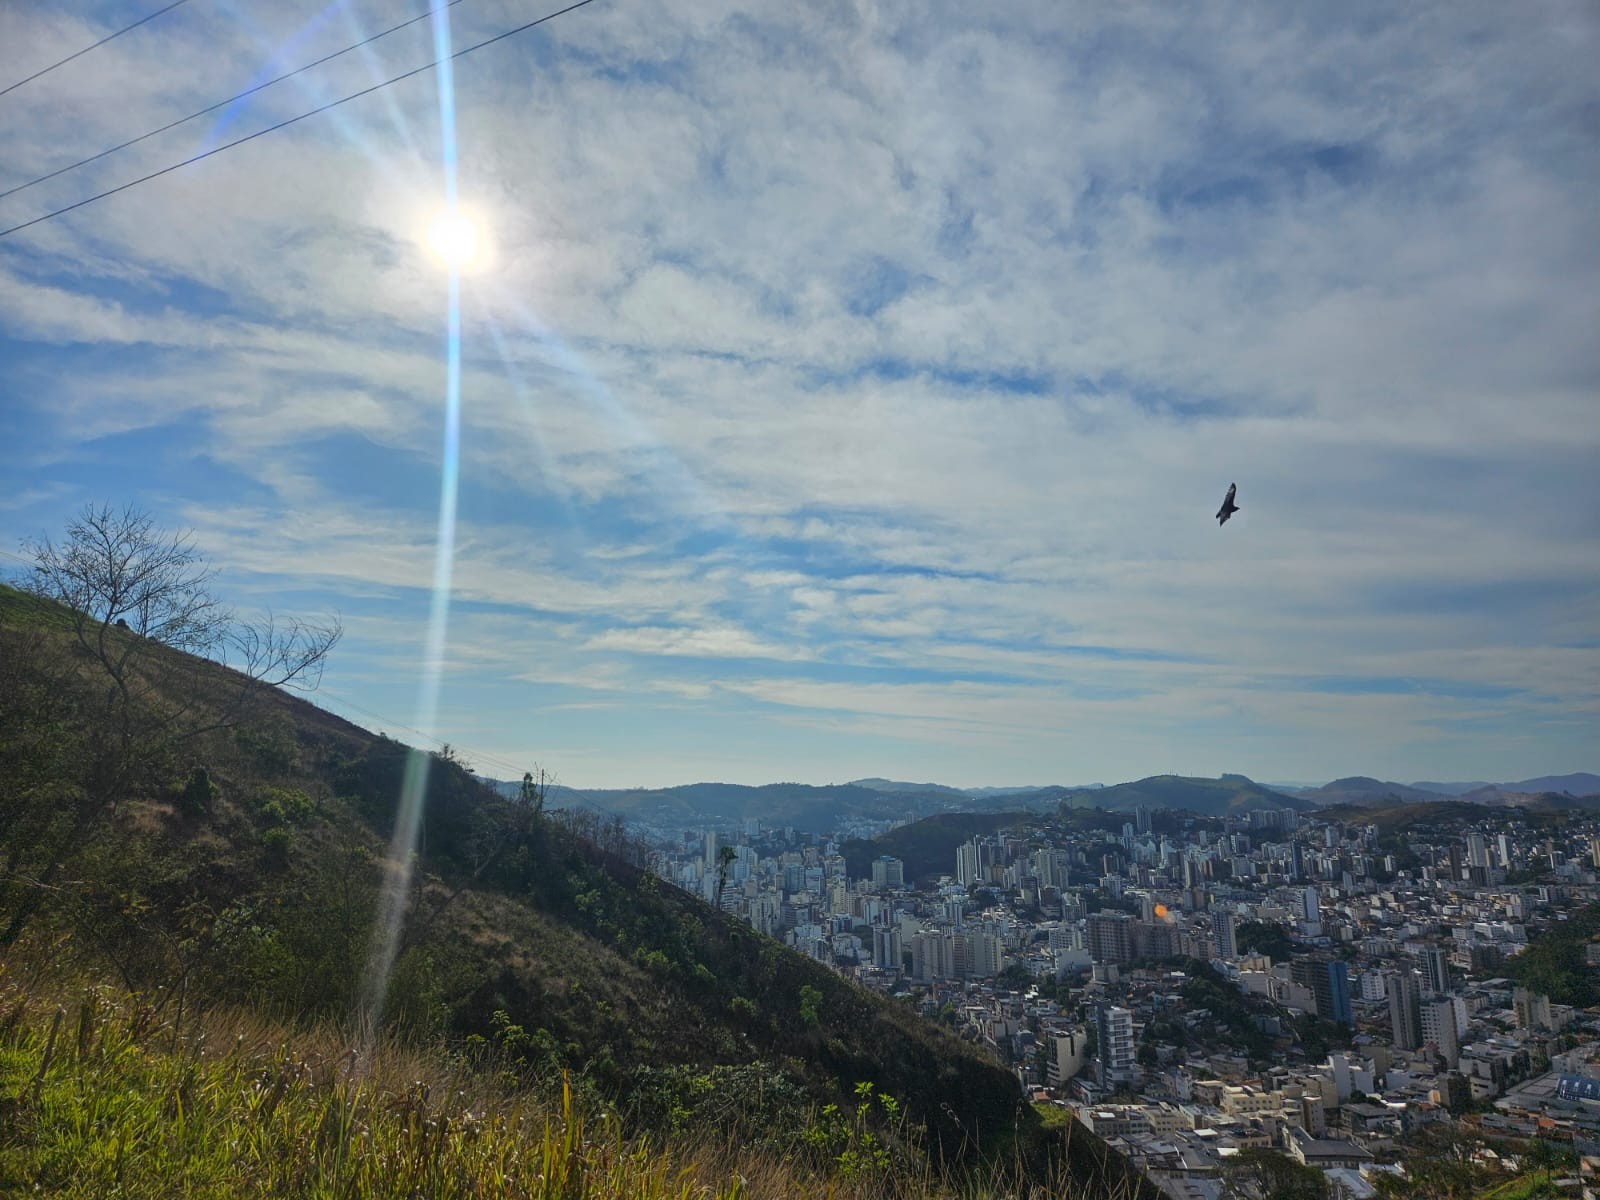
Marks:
<point>967,864</point>
<point>1114,1033</point>
<point>1439,1027</point>
<point>1477,850</point>
<point>1310,910</point>
<point>886,947</point>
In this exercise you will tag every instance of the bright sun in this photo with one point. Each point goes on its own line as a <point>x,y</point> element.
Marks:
<point>453,238</point>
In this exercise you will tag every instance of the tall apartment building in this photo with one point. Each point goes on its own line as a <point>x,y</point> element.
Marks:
<point>1439,1027</point>
<point>1532,1009</point>
<point>1110,937</point>
<point>1223,931</point>
<point>1329,982</point>
<point>888,872</point>
<point>967,864</point>
<point>1405,1009</point>
<point>886,951</point>
<point>1436,970</point>
<point>1114,1034</point>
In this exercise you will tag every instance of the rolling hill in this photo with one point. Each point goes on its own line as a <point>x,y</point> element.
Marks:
<point>1528,790</point>
<point>1210,797</point>
<point>1362,789</point>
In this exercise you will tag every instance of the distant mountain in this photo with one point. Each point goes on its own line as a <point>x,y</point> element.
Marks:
<point>1362,789</point>
<point>827,808</point>
<point>986,792</point>
<point>1582,783</point>
<point>1451,789</point>
<point>1212,797</point>
<point>982,793</point>
<point>803,806</point>
<point>894,785</point>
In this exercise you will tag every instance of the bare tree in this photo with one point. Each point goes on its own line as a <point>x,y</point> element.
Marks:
<point>130,586</point>
<point>174,662</point>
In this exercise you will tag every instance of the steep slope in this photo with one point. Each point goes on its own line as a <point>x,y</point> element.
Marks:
<point>248,863</point>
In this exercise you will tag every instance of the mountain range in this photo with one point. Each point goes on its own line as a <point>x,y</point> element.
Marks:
<point>828,807</point>
<point>1361,789</point>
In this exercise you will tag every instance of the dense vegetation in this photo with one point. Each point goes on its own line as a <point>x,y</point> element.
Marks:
<point>1263,937</point>
<point>103,1096</point>
<point>1554,962</point>
<point>205,842</point>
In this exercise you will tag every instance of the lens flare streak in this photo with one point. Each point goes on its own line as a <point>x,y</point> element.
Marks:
<point>414,786</point>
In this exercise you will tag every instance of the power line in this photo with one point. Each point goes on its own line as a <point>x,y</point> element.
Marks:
<point>250,91</point>
<point>499,37</point>
<point>475,755</point>
<point>86,49</point>
<point>492,760</point>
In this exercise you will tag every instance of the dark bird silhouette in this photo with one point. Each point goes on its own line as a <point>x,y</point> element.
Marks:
<point>1228,506</point>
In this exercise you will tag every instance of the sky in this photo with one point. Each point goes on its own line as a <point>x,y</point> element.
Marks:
<point>848,388</point>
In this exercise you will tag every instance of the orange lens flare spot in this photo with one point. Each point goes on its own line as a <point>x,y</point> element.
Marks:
<point>1161,910</point>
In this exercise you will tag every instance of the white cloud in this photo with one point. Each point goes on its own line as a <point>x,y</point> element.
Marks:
<point>918,340</point>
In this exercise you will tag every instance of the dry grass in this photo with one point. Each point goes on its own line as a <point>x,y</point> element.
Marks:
<point>101,1096</point>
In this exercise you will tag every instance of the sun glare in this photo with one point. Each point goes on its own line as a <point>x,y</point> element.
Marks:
<point>453,238</point>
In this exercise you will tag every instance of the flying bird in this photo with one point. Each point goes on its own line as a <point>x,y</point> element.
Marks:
<point>1228,506</point>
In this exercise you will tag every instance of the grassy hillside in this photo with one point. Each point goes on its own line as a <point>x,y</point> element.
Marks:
<point>242,865</point>
<point>101,1097</point>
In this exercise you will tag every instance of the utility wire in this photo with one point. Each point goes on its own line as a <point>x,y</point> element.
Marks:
<point>476,756</point>
<point>250,91</point>
<point>86,49</point>
<point>389,722</point>
<point>499,37</point>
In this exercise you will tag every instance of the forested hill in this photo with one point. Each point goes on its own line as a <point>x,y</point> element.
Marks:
<point>241,857</point>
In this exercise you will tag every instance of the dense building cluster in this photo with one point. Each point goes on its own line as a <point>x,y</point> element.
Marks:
<point>1194,987</point>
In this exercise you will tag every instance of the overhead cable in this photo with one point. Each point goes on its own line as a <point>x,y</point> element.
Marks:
<point>367,91</point>
<point>210,108</point>
<point>80,53</point>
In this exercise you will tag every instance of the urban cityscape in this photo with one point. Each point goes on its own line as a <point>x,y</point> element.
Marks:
<point>1193,987</point>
